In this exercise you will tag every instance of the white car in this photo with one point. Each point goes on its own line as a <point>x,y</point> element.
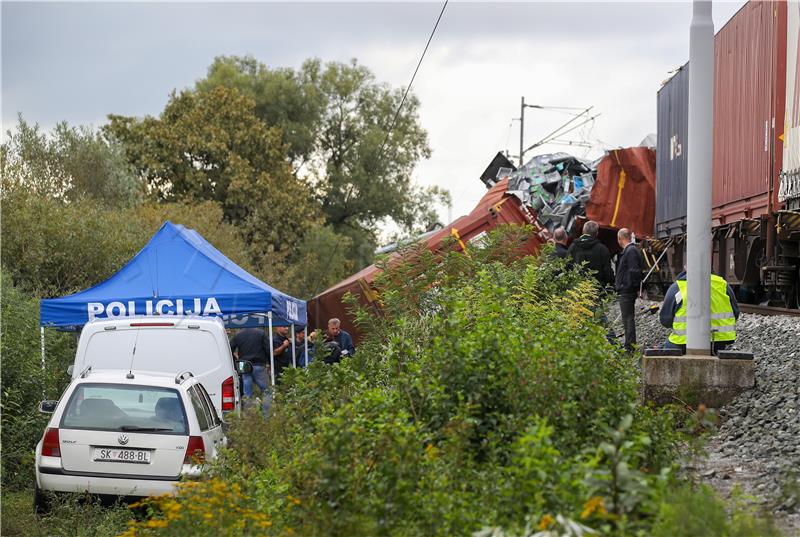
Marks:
<point>126,433</point>
<point>168,344</point>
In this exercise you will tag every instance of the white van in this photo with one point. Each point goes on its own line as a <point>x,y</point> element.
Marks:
<point>164,344</point>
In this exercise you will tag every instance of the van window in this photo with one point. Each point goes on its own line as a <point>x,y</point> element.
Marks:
<point>157,349</point>
<point>200,408</point>
<point>124,407</point>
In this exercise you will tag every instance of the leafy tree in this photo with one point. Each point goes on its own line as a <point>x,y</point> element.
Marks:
<point>68,164</point>
<point>284,98</point>
<point>211,146</point>
<point>336,119</point>
<point>51,248</point>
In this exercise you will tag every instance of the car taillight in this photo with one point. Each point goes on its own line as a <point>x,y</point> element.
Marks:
<point>195,451</point>
<point>228,396</point>
<point>51,446</point>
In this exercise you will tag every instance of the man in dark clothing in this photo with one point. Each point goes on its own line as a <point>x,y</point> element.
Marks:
<point>300,348</point>
<point>594,253</point>
<point>252,345</point>
<point>628,280</point>
<point>282,354</point>
<point>560,237</point>
<point>342,338</point>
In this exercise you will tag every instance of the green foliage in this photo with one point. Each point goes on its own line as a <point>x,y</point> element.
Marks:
<point>210,146</point>
<point>284,98</point>
<point>482,398</point>
<point>67,164</point>
<point>52,248</point>
<point>25,383</point>
<point>700,513</point>
<point>335,119</point>
<point>71,515</point>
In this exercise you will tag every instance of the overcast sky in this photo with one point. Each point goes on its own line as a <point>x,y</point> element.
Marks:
<point>81,61</point>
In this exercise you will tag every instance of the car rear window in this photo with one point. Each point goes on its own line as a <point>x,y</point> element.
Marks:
<point>118,407</point>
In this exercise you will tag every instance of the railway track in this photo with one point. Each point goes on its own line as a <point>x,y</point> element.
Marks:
<point>767,310</point>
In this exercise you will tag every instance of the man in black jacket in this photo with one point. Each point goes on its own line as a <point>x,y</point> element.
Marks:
<point>594,253</point>
<point>628,280</point>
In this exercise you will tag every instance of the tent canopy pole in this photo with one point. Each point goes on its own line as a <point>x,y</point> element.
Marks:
<point>294,360</point>
<point>305,343</point>
<point>271,350</point>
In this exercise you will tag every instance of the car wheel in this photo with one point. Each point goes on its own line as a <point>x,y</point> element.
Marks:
<point>41,502</point>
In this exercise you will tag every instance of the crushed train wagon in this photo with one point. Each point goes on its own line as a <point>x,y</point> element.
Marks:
<point>497,207</point>
<point>624,192</point>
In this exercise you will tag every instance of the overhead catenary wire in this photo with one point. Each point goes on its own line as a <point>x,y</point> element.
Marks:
<point>411,82</point>
<point>397,112</point>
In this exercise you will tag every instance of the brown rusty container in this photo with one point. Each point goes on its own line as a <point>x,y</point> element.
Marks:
<point>497,207</point>
<point>624,194</point>
<point>749,96</point>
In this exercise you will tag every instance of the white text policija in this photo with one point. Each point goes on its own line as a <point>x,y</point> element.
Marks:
<point>154,307</point>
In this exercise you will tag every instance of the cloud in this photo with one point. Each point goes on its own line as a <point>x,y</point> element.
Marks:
<point>81,61</point>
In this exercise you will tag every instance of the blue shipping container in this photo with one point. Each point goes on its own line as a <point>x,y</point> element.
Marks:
<point>671,164</point>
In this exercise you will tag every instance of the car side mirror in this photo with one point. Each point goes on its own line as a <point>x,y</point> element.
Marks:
<point>70,369</point>
<point>48,406</point>
<point>244,367</point>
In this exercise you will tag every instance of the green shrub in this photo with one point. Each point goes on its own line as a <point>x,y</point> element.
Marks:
<point>25,381</point>
<point>698,512</point>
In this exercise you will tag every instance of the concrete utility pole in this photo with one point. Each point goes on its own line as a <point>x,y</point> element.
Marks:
<point>698,213</point>
<point>521,129</point>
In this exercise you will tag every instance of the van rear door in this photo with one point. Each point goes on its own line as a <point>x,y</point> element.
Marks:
<point>173,349</point>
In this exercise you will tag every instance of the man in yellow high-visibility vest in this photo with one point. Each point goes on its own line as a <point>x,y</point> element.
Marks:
<point>724,313</point>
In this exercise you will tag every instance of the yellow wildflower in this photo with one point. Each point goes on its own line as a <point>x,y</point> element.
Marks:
<point>594,505</point>
<point>546,521</point>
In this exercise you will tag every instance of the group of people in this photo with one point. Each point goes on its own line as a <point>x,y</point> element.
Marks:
<point>253,345</point>
<point>626,282</point>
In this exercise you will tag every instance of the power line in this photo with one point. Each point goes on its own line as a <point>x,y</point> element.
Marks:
<point>408,88</point>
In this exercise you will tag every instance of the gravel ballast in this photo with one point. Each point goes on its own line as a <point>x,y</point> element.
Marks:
<point>758,443</point>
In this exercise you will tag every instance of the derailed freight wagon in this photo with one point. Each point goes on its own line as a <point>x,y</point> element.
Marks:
<point>755,232</point>
<point>497,207</point>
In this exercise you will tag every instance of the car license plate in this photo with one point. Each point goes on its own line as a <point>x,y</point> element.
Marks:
<point>136,456</point>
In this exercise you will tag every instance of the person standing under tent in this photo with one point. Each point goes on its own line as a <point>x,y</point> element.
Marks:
<point>281,351</point>
<point>343,339</point>
<point>300,348</point>
<point>252,345</point>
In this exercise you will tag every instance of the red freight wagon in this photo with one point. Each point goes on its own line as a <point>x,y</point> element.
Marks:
<point>497,207</point>
<point>749,96</point>
<point>756,221</point>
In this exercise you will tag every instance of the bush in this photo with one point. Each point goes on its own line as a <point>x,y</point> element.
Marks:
<point>486,395</point>
<point>25,381</point>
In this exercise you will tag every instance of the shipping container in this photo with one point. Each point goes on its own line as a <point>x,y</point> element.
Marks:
<point>790,176</point>
<point>497,207</point>
<point>749,100</point>
<point>624,191</point>
<point>671,165</point>
<point>749,93</point>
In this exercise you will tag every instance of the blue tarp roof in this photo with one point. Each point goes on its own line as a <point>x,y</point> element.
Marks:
<point>177,272</point>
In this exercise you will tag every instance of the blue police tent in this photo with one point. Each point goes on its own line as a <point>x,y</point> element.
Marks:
<point>177,272</point>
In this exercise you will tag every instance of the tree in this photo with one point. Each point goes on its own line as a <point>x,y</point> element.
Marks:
<point>212,146</point>
<point>68,164</point>
<point>337,120</point>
